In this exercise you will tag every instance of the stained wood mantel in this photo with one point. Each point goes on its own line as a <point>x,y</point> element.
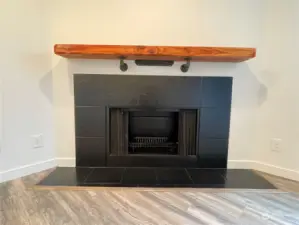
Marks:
<point>176,53</point>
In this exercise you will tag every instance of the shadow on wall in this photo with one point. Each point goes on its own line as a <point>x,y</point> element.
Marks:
<point>46,86</point>
<point>248,91</point>
<point>262,94</point>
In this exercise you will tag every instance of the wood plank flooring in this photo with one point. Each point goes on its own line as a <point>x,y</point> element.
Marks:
<point>21,203</point>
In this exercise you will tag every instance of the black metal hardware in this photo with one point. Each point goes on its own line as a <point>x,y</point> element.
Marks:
<point>185,67</point>
<point>152,142</point>
<point>143,62</point>
<point>123,66</point>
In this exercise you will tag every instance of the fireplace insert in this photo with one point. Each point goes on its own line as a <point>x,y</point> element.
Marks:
<point>153,131</point>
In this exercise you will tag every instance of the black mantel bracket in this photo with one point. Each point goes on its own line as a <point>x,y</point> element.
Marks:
<point>145,62</point>
<point>122,65</point>
<point>185,67</point>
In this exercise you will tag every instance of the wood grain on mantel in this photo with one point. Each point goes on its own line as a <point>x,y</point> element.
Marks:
<point>176,53</point>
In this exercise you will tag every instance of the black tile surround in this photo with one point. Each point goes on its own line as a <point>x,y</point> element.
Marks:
<point>94,93</point>
<point>156,177</point>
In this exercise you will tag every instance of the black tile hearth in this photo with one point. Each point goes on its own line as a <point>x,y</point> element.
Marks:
<point>173,177</point>
<point>105,176</point>
<point>66,176</point>
<point>156,177</point>
<point>207,177</point>
<point>139,177</point>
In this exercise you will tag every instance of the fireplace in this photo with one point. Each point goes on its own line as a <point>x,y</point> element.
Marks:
<point>153,131</point>
<point>151,121</point>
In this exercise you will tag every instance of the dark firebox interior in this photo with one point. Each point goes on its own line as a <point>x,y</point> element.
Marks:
<point>153,132</point>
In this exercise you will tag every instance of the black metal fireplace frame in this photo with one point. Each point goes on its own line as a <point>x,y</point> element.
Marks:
<point>150,160</point>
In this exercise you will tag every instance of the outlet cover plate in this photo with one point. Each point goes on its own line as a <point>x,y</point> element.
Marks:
<point>276,145</point>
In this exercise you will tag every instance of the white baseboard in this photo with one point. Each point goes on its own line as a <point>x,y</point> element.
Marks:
<point>25,170</point>
<point>66,162</point>
<point>276,170</point>
<point>264,167</point>
<point>239,164</point>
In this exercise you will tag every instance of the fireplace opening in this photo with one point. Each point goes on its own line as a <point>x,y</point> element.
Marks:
<point>153,132</point>
<point>145,131</point>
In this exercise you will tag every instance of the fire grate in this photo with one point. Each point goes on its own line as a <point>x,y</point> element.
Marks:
<point>151,142</point>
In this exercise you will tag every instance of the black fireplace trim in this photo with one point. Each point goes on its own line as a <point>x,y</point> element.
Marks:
<point>141,108</point>
<point>93,92</point>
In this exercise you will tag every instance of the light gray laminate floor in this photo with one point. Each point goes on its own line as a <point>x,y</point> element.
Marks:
<point>20,204</point>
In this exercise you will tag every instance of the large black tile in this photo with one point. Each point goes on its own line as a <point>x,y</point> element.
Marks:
<point>207,177</point>
<point>213,147</point>
<point>180,92</point>
<point>216,91</point>
<point>105,176</point>
<point>139,177</point>
<point>90,121</point>
<point>92,90</point>
<point>214,122</point>
<point>247,179</point>
<point>66,176</point>
<point>90,152</point>
<point>173,177</point>
<point>209,162</point>
<point>212,153</point>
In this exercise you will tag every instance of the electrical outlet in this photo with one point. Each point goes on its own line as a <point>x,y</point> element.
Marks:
<point>275,145</point>
<point>37,141</point>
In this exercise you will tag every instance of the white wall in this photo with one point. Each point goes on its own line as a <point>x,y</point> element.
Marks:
<point>265,97</point>
<point>166,22</point>
<point>26,88</point>
<point>277,114</point>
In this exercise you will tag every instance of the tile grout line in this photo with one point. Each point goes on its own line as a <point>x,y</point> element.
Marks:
<point>156,177</point>
<point>122,176</point>
<point>88,175</point>
<point>223,175</point>
<point>189,175</point>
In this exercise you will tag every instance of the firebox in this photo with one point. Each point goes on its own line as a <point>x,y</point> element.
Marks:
<point>153,131</point>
